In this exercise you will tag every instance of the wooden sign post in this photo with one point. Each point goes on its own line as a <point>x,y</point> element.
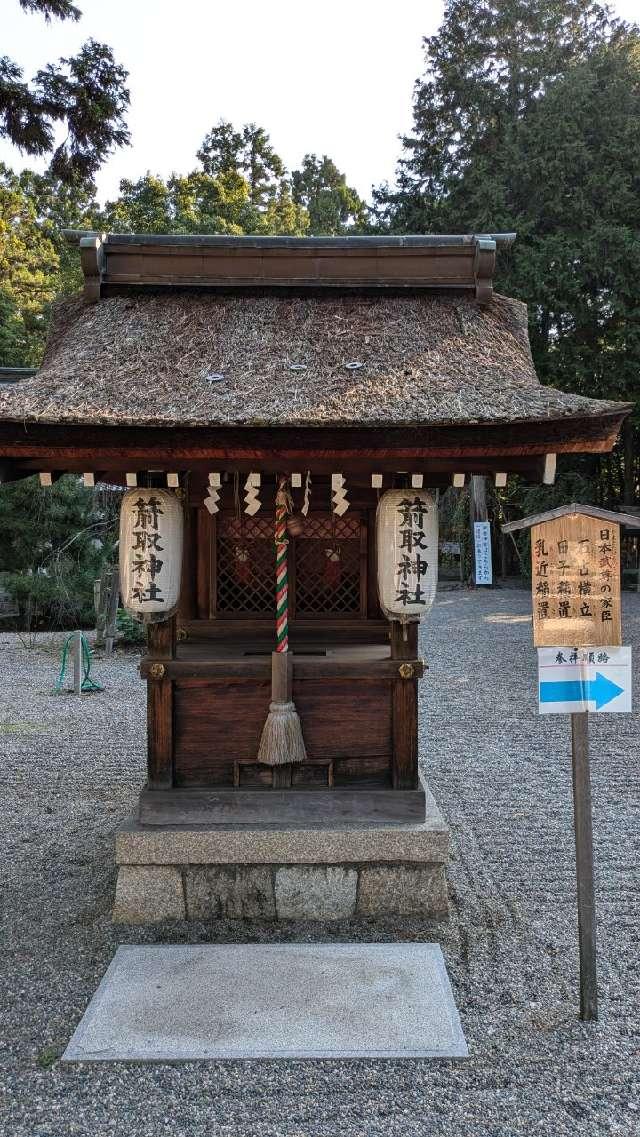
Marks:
<point>581,779</point>
<point>575,582</point>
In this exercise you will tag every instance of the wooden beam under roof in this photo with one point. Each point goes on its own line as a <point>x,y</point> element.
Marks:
<point>280,447</point>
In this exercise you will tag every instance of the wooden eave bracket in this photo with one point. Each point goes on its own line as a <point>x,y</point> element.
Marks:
<point>483,268</point>
<point>93,261</point>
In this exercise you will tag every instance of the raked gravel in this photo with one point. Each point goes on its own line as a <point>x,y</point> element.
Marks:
<point>70,773</point>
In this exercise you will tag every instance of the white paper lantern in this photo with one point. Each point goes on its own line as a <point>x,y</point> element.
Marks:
<point>407,544</point>
<point>151,526</point>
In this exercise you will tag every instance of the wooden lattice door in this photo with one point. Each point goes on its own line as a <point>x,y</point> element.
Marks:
<point>327,566</point>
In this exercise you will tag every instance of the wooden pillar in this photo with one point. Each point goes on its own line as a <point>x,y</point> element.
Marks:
<point>187,606</point>
<point>404,709</point>
<point>161,639</point>
<point>504,556</point>
<point>112,611</point>
<point>629,458</point>
<point>373,604</point>
<point>205,529</point>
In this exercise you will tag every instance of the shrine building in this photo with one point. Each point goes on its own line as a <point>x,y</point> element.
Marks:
<point>293,382</point>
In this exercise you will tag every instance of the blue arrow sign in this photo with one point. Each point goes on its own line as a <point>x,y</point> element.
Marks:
<point>599,690</point>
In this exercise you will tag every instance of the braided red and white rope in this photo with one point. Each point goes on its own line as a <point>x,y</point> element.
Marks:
<point>282,579</point>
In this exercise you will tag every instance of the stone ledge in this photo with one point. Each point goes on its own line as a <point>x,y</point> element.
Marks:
<point>149,894</point>
<point>229,892</point>
<point>427,841</point>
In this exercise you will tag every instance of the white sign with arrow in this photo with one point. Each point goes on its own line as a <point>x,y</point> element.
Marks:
<point>572,680</point>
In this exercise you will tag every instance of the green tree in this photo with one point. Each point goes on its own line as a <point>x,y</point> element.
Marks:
<point>142,206</point>
<point>248,152</point>
<point>87,93</point>
<point>529,120</point>
<point>60,204</point>
<point>567,182</point>
<point>221,149</point>
<point>332,205</point>
<point>284,215</point>
<point>54,543</point>
<point>489,62</point>
<point>36,262</point>
<point>193,203</point>
<point>200,203</point>
<point>29,276</point>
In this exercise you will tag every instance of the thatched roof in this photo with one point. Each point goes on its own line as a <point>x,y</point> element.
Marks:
<point>207,359</point>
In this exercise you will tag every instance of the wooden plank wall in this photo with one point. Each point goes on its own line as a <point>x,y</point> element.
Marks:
<point>346,725</point>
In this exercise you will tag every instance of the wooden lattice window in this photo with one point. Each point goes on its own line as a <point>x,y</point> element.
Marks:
<point>326,573</point>
<point>327,562</point>
<point>246,564</point>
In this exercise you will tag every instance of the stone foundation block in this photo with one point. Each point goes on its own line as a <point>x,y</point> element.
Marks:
<point>315,892</point>
<point>403,890</point>
<point>229,891</point>
<point>147,894</point>
<point>279,872</point>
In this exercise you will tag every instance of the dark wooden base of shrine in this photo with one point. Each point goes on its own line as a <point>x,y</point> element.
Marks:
<point>354,685</point>
<point>306,808</point>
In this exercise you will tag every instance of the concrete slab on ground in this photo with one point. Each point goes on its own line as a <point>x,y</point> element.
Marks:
<point>213,1001</point>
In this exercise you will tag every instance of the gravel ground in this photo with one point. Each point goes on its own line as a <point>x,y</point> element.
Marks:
<point>71,770</point>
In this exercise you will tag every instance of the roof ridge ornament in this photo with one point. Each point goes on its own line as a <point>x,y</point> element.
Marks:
<point>117,262</point>
<point>93,263</point>
<point>484,267</point>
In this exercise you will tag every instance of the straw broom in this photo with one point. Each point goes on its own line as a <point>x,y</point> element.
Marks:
<point>282,740</point>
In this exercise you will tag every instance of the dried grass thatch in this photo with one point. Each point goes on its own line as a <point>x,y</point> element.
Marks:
<point>156,359</point>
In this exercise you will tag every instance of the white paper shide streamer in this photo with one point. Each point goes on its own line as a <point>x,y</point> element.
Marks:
<point>339,500</point>
<point>151,528</point>
<point>407,539</point>
<point>213,494</point>
<point>252,494</point>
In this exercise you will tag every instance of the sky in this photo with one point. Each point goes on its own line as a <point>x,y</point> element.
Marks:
<point>334,78</point>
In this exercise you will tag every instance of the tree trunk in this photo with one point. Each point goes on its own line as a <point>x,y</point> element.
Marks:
<point>628,449</point>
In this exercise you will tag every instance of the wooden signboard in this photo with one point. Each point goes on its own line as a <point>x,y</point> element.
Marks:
<point>575,575</point>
